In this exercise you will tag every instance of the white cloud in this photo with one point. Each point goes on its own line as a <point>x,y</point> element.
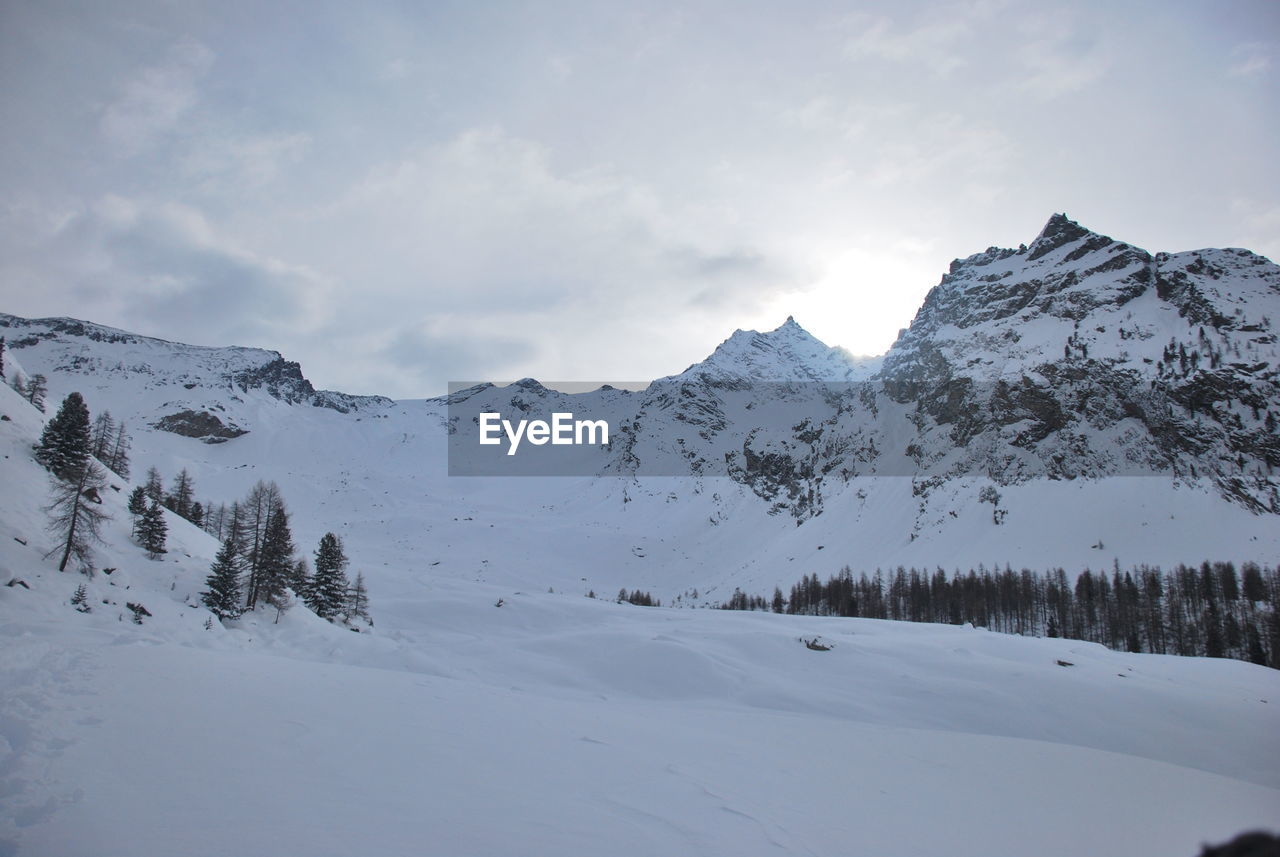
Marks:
<point>561,67</point>
<point>153,101</point>
<point>396,70</point>
<point>1251,59</point>
<point>938,39</point>
<point>482,239</point>
<point>945,145</point>
<point>163,268</point>
<point>242,163</point>
<point>490,210</point>
<point>1056,57</point>
<point>930,44</point>
<point>1260,221</point>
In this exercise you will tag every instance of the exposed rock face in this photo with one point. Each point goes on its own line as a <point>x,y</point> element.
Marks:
<point>201,425</point>
<point>1083,356</point>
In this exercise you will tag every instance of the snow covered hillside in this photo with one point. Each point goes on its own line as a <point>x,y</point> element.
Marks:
<point>483,718</point>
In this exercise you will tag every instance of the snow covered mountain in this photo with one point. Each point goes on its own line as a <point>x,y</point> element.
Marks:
<point>1084,356</point>
<point>789,353</point>
<point>181,379</point>
<point>1104,401</point>
<point>493,710</point>
<point>483,716</point>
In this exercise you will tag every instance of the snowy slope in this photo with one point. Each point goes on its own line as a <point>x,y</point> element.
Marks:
<point>556,724</point>
<point>686,737</point>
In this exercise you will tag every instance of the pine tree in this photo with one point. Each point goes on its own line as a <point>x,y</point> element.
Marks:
<point>118,457</point>
<point>80,600</point>
<point>327,594</point>
<point>1214,646</point>
<point>197,514</point>
<point>153,531</point>
<point>358,600</point>
<point>259,508</point>
<point>1273,639</point>
<point>214,519</point>
<point>102,437</point>
<point>35,391</point>
<point>1256,654</point>
<point>137,508</point>
<point>223,596</point>
<point>138,501</point>
<point>1252,587</point>
<point>75,519</point>
<point>275,557</point>
<point>65,442</point>
<point>300,579</point>
<point>1,358</point>
<point>180,498</point>
<point>154,485</point>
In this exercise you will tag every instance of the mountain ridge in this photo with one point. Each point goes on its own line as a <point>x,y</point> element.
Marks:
<point>245,367</point>
<point>770,452</point>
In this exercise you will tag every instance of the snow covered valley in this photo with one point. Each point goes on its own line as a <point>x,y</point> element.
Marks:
<point>1074,404</point>
<point>482,716</point>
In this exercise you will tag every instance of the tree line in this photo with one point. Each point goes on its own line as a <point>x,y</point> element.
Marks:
<point>636,597</point>
<point>146,501</point>
<point>1214,610</point>
<point>258,562</point>
<point>258,565</point>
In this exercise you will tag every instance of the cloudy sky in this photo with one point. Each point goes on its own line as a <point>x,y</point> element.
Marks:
<point>406,193</point>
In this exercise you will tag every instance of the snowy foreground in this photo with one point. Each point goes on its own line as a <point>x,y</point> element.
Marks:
<point>561,725</point>
<point>556,725</point>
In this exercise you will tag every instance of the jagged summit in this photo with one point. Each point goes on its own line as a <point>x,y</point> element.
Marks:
<point>1071,273</point>
<point>1061,231</point>
<point>786,353</point>
<point>1067,272</point>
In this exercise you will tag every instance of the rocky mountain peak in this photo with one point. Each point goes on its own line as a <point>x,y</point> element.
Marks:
<point>1067,272</point>
<point>1061,231</point>
<point>786,353</point>
<point>1082,356</point>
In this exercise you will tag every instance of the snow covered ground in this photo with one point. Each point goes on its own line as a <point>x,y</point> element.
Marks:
<point>561,725</point>
<point>647,732</point>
